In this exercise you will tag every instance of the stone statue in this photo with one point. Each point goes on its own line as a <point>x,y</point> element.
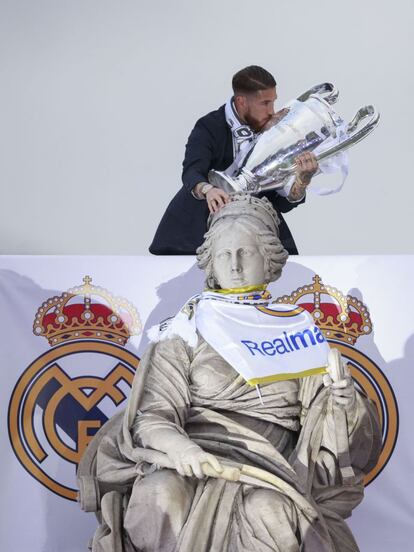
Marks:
<point>200,461</point>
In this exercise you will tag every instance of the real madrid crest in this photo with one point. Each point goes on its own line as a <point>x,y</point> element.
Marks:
<point>343,319</point>
<point>66,394</point>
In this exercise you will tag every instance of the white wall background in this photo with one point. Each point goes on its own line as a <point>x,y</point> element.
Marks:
<point>97,99</point>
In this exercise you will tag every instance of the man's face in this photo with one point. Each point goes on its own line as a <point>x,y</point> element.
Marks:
<point>257,109</point>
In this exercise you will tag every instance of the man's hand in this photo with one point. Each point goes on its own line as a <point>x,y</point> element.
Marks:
<point>188,461</point>
<point>306,167</point>
<point>216,198</point>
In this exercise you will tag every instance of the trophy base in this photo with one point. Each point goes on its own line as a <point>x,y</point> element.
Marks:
<point>245,182</point>
<point>225,182</point>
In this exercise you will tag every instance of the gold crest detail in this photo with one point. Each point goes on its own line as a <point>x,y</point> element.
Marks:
<point>340,317</point>
<point>87,312</point>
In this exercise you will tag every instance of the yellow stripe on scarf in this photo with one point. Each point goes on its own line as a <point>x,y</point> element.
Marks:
<point>245,289</point>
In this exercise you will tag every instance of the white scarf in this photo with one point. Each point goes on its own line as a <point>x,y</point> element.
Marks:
<point>183,323</point>
<point>242,135</point>
<point>263,342</point>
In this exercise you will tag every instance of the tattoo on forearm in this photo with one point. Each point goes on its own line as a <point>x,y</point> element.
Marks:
<point>297,191</point>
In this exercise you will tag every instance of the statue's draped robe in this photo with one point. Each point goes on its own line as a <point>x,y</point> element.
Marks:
<point>298,434</point>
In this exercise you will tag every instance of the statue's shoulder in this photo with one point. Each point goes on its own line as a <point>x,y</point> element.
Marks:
<point>181,326</point>
<point>160,331</point>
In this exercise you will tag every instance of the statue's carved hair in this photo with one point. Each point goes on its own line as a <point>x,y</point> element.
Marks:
<point>275,256</point>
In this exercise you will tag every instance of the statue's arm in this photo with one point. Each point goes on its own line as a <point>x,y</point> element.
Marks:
<point>159,423</point>
<point>346,418</point>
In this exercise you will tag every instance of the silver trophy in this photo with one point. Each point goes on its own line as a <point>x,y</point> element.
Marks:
<point>310,124</point>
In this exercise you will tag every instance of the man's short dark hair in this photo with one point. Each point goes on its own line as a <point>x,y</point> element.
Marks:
<point>252,79</point>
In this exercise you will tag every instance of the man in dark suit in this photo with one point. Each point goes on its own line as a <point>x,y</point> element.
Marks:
<point>214,142</point>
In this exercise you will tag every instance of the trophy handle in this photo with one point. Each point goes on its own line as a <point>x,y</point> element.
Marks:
<point>354,136</point>
<point>326,90</point>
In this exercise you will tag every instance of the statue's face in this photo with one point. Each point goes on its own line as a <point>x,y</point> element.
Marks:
<point>237,261</point>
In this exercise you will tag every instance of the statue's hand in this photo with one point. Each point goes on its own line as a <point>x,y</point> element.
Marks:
<point>339,380</point>
<point>188,461</point>
<point>342,391</point>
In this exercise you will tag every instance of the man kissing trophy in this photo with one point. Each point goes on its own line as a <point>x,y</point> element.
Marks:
<point>306,124</point>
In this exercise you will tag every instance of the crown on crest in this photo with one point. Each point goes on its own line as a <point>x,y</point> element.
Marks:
<point>87,312</point>
<point>340,317</point>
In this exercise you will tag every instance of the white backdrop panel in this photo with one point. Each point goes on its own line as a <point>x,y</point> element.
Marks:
<point>37,519</point>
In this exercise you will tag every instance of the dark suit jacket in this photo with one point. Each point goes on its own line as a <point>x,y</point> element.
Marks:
<point>184,223</point>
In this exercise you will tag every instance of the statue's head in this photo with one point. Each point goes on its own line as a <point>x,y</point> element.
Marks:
<point>242,245</point>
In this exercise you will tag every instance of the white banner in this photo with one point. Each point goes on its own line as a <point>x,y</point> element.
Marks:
<point>264,344</point>
<point>71,339</point>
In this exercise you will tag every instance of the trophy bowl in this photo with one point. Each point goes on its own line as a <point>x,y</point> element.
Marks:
<point>310,124</point>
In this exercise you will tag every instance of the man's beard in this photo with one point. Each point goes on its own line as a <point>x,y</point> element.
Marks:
<point>254,123</point>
